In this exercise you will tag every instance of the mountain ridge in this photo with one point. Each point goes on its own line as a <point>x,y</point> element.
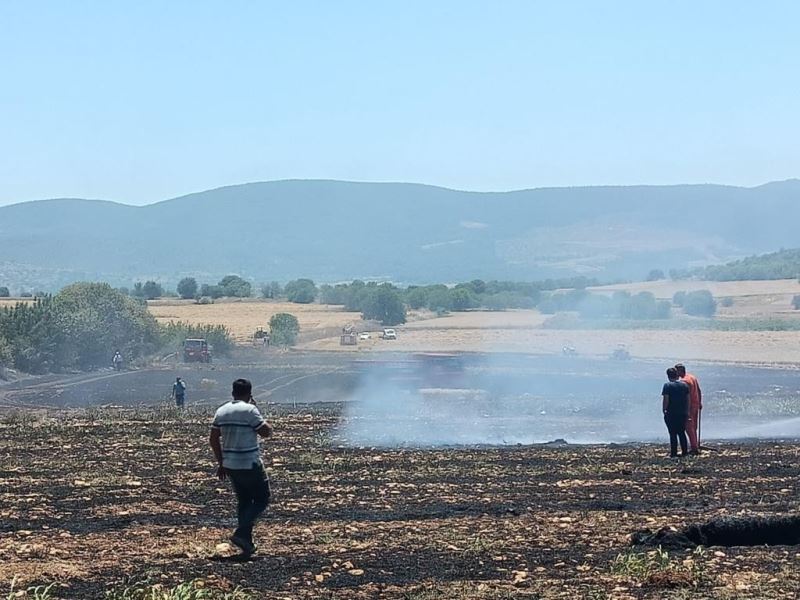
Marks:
<point>416,233</point>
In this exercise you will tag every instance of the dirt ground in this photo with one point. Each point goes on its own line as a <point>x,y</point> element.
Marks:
<point>103,500</point>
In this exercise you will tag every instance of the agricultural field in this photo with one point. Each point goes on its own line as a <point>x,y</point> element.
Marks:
<point>750,298</point>
<point>522,331</point>
<point>121,503</point>
<point>107,492</point>
<point>243,317</point>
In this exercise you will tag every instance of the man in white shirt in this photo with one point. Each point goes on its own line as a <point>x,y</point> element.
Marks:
<point>234,437</point>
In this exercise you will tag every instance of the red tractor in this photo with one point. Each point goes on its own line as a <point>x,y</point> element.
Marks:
<point>196,350</point>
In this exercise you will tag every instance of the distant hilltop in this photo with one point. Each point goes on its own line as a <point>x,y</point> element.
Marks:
<point>337,230</point>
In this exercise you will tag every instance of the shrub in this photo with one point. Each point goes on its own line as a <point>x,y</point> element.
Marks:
<point>655,275</point>
<point>796,302</point>
<point>679,298</point>
<point>4,293</point>
<point>700,304</point>
<point>283,329</point>
<point>727,302</point>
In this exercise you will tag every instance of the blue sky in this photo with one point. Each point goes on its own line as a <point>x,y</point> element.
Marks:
<point>142,101</point>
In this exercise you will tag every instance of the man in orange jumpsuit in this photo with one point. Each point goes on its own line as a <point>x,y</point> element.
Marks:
<point>695,406</point>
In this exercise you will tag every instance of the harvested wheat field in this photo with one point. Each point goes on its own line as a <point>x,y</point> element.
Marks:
<point>751,347</point>
<point>666,288</point>
<point>243,317</point>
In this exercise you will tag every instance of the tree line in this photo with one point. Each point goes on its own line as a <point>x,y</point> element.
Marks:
<point>81,326</point>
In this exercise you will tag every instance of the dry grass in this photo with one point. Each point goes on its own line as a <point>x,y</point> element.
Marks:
<point>762,347</point>
<point>667,288</point>
<point>13,301</point>
<point>518,330</point>
<point>245,316</point>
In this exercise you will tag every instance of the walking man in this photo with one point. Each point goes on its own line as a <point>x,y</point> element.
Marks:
<point>675,404</point>
<point>234,440</point>
<point>695,406</point>
<point>179,392</point>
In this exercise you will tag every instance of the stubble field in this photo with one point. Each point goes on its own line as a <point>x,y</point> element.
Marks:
<point>523,331</point>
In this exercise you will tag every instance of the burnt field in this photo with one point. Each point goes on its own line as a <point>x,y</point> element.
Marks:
<point>107,492</point>
<point>105,502</point>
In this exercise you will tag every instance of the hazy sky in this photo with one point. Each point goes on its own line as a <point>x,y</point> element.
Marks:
<point>141,101</point>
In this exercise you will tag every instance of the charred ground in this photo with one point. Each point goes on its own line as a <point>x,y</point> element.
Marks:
<point>113,496</point>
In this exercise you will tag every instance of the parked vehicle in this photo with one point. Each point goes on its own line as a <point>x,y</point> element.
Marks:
<point>196,350</point>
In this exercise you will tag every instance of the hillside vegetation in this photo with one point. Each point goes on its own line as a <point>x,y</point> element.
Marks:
<point>334,231</point>
<point>784,264</point>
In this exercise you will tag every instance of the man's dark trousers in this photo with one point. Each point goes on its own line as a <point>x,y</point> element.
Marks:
<point>252,492</point>
<point>676,425</point>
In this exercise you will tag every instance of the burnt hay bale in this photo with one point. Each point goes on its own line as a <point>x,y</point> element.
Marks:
<point>755,531</point>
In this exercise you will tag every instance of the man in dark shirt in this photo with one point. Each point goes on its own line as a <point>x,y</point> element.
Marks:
<point>675,404</point>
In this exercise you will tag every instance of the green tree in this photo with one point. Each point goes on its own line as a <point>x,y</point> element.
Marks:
<point>656,275</point>
<point>679,298</point>
<point>149,290</point>
<point>300,291</point>
<point>271,290</point>
<point>92,320</point>
<point>283,329</point>
<point>6,355</point>
<point>174,333</point>
<point>4,293</point>
<point>462,299</point>
<point>235,287</point>
<point>439,298</point>
<point>416,297</point>
<point>384,304</point>
<point>187,288</point>
<point>338,294</point>
<point>700,303</point>
<point>211,291</point>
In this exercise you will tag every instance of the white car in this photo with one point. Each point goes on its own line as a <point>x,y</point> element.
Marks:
<point>389,334</point>
<point>364,335</point>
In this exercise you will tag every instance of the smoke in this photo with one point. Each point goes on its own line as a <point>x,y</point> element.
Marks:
<point>427,400</point>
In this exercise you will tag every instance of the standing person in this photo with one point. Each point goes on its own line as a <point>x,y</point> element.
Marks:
<point>179,392</point>
<point>675,404</point>
<point>117,361</point>
<point>695,406</point>
<point>234,440</point>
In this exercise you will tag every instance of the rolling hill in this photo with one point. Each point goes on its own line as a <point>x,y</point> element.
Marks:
<point>334,230</point>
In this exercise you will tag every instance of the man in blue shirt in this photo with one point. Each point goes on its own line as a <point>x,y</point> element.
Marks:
<point>179,392</point>
<point>675,405</point>
<point>234,440</point>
